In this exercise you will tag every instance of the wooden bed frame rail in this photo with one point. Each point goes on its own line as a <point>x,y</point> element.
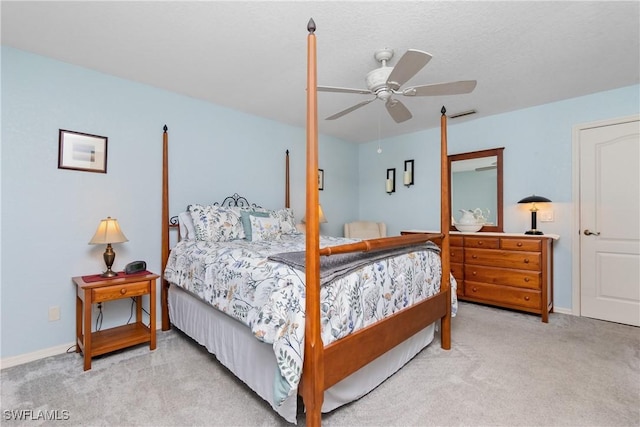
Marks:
<point>325,366</point>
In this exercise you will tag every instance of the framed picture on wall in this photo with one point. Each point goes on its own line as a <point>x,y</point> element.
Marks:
<point>82,151</point>
<point>320,179</point>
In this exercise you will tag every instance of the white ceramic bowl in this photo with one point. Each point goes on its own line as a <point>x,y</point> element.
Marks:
<point>468,228</point>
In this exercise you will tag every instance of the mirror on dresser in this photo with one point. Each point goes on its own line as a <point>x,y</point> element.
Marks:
<point>476,185</point>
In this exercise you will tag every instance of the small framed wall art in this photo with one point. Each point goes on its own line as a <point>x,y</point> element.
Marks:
<point>82,151</point>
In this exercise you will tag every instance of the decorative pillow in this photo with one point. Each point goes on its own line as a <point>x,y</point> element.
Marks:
<point>246,222</point>
<point>286,219</point>
<point>264,228</point>
<point>185,223</point>
<point>216,223</point>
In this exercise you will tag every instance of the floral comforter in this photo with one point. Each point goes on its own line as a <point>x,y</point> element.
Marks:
<point>236,278</point>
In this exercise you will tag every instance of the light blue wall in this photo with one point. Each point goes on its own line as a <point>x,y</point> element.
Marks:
<point>49,214</point>
<point>537,159</point>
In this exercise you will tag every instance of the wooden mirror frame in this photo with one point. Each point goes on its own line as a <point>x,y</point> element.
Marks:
<point>497,152</point>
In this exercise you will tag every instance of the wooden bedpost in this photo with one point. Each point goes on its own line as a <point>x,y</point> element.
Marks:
<point>313,366</point>
<point>287,201</point>
<point>445,224</point>
<point>165,230</point>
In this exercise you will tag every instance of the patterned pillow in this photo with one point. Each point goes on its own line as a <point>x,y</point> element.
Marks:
<point>216,223</point>
<point>264,228</point>
<point>246,223</point>
<point>286,219</point>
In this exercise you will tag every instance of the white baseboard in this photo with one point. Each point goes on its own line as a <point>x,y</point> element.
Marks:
<point>563,310</point>
<point>8,362</point>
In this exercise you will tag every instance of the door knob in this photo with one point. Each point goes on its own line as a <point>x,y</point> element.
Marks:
<point>591,233</point>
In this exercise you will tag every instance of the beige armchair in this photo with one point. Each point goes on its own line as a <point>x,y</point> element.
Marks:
<point>365,229</point>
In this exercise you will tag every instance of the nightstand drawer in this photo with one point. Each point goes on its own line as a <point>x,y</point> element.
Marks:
<point>502,294</point>
<point>501,276</point>
<point>119,291</point>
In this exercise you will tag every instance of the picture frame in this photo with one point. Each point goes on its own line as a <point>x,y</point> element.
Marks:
<point>82,151</point>
<point>320,179</point>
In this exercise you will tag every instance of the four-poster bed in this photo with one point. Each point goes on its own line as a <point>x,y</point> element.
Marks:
<point>333,371</point>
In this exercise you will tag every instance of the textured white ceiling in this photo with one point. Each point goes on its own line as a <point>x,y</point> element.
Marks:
<point>251,56</point>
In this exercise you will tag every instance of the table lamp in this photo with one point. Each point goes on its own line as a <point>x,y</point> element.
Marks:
<point>321,217</point>
<point>108,232</point>
<point>534,211</point>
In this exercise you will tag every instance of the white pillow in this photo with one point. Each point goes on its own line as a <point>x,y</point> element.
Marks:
<point>264,228</point>
<point>185,223</point>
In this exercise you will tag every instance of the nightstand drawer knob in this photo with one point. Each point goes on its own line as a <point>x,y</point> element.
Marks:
<point>123,291</point>
<point>526,279</point>
<point>475,273</point>
<point>526,260</point>
<point>475,289</point>
<point>474,256</point>
<point>519,244</point>
<point>526,298</point>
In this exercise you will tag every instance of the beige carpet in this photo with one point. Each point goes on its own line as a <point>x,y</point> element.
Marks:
<point>505,369</point>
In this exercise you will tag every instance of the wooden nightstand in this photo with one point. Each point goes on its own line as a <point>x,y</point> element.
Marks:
<point>95,289</point>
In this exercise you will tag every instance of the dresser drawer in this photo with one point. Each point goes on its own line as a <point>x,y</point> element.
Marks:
<point>482,242</point>
<point>503,276</point>
<point>499,258</point>
<point>532,245</point>
<point>456,254</point>
<point>457,270</point>
<point>456,240</point>
<point>120,291</point>
<point>503,294</point>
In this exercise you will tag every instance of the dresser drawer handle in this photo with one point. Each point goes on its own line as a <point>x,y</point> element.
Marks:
<point>519,244</point>
<point>526,260</point>
<point>474,256</point>
<point>526,298</point>
<point>526,279</point>
<point>123,291</point>
<point>475,273</point>
<point>480,243</point>
<point>475,289</point>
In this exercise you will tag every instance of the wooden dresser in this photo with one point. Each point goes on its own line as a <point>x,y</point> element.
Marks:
<point>506,270</point>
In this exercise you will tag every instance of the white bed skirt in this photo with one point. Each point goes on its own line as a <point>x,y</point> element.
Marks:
<point>249,359</point>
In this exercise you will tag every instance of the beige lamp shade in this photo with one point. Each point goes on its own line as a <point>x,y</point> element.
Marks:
<point>108,232</point>
<point>321,217</point>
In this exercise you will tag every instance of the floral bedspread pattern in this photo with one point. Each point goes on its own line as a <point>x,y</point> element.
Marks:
<point>236,278</point>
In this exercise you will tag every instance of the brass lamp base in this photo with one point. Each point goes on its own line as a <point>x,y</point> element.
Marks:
<point>109,273</point>
<point>109,256</point>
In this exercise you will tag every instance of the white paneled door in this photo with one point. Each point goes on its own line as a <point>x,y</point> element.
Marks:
<point>609,177</point>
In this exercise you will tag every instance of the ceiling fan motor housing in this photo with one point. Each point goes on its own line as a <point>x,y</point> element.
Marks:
<point>376,81</point>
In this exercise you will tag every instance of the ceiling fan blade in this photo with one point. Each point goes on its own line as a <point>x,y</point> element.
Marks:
<point>398,111</point>
<point>350,109</point>
<point>342,90</point>
<point>451,88</point>
<point>408,65</point>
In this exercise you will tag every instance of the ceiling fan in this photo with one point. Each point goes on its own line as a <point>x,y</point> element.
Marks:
<point>385,81</point>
